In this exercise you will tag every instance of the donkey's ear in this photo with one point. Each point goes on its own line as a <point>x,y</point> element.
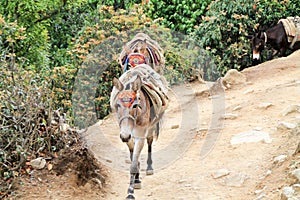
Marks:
<point>117,83</point>
<point>144,44</point>
<point>127,49</point>
<point>137,84</point>
<point>260,34</point>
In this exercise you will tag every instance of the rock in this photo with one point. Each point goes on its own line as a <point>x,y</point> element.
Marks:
<point>249,91</point>
<point>230,116</point>
<point>269,172</point>
<point>297,149</point>
<point>236,180</point>
<point>220,173</point>
<point>261,196</point>
<point>280,159</point>
<point>175,126</point>
<point>291,109</point>
<point>250,136</point>
<point>38,163</point>
<point>285,126</point>
<point>182,181</point>
<point>296,175</point>
<point>258,128</point>
<point>265,105</point>
<point>296,187</point>
<point>233,77</point>
<point>237,108</point>
<point>287,192</point>
<point>257,192</point>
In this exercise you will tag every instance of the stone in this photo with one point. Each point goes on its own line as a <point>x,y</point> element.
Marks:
<point>265,105</point>
<point>182,181</point>
<point>175,126</point>
<point>285,126</point>
<point>237,108</point>
<point>287,192</point>
<point>233,77</point>
<point>250,136</point>
<point>296,174</point>
<point>230,116</point>
<point>38,163</point>
<point>280,159</point>
<point>236,180</point>
<point>220,173</point>
<point>249,91</point>
<point>297,149</point>
<point>291,109</point>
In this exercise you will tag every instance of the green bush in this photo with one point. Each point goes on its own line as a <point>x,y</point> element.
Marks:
<point>224,29</point>
<point>178,15</point>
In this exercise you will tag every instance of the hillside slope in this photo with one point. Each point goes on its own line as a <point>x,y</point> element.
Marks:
<point>196,155</point>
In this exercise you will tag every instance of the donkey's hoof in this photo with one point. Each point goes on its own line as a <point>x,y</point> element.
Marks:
<point>130,196</point>
<point>149,172</point>
<point>137,184</point>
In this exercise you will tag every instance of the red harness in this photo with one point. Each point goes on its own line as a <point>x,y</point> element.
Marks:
<point>127,98</point>
<point>133,60</point>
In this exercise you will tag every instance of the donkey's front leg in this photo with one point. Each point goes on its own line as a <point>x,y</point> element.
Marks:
<point>135,168</point>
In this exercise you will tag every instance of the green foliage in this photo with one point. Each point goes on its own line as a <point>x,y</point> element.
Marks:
<point>269,12</point>
<point>62,55</point>
<point>30,15</point>
<point>226,25</point>
<point>178,15</point>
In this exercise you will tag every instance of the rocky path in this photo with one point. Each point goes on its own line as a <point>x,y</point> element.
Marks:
<point>186,167</point>
<point>235,145</point>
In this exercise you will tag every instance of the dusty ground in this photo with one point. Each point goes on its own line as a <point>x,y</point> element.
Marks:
<point>184,161</point>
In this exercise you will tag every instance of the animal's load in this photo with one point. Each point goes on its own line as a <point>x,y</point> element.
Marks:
<point>143,44</point>
<point>292,29</point>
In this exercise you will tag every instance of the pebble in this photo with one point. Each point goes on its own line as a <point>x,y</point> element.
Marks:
<point>237,108</point>
<point>287,192</point>
<point>250,136</point>
<point>265,105</point>
<point>38,163</point>
<point>286,125</point>
<point>236,180</point>
<point>291,109</point>
<point>249,91</point>
<point>175,126</point>
<point>296,173</point>
<point>280,159</point>
<point>230,116</point>
<point>220,173</point>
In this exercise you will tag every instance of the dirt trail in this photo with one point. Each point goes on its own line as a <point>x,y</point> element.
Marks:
<point>191,124</point>
<point>180,172</point>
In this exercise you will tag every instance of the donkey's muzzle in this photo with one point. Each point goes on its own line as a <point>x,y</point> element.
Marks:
<point>125,138</point>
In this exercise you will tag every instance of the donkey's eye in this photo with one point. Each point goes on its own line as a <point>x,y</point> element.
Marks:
<point>135,106</point>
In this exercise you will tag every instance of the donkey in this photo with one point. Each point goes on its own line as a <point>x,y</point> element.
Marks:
<point>277,37</point>
<point>133,107</point>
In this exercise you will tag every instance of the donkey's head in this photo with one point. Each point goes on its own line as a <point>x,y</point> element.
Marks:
<point>258,44</point>
<point>130,105</point>
<point>136,55</point>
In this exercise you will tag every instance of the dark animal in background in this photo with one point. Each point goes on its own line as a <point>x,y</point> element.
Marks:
<point>281,37</point>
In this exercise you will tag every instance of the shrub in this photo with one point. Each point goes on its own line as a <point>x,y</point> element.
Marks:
<point>224,29</point>
<point>178,15</point>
